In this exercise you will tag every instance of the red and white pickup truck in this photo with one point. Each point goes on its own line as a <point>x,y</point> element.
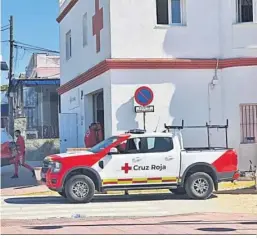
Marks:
<point>138,160</point>
<point>7,145</point>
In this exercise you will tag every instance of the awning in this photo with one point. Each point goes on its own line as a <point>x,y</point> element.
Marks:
<point>35,82</point>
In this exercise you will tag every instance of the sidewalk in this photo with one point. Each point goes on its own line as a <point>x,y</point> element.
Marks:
<point>206,223</point>
<point>24,184</point>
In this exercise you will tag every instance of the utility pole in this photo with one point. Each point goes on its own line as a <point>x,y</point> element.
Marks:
<point>10,97</point>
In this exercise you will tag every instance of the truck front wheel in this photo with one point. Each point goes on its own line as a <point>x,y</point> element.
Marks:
<point>199,185</point>
<point>79,189</point>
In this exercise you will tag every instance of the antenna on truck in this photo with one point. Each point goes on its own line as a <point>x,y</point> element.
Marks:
<point>157,125</point>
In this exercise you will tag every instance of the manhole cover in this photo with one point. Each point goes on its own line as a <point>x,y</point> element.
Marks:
<point>46,227</point>
<point>216,229</point>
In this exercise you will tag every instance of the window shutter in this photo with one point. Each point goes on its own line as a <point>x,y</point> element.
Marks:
<point>162,11</point>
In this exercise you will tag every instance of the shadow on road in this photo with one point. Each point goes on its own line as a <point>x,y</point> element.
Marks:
<point>248,190</point>
<point>97,199</point>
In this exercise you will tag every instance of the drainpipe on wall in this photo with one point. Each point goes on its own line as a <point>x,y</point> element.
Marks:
<point>211,86</point>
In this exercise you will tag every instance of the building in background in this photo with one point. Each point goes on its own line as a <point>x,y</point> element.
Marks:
<point>194,55</point>
<point>36,98</point>
<point>4,107</point>
<point>42,65</point>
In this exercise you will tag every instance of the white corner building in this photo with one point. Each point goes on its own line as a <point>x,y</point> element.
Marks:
<point>199,57</point>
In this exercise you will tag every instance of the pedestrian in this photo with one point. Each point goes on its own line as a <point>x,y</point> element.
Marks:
<point>20,155</point>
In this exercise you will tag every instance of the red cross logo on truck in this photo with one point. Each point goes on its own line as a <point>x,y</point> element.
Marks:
<point>126,168</point>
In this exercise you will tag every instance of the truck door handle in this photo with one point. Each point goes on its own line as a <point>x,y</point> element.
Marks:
<point>169,158</point>
<point>137,159</point>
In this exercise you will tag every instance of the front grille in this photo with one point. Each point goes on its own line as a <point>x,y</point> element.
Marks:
<point>45,166</point>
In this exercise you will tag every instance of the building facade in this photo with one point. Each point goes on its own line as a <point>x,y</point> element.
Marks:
<point>36,97</point>
<point>194,55</point>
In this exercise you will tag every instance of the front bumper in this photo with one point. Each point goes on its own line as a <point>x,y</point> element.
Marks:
<point>51,180</point>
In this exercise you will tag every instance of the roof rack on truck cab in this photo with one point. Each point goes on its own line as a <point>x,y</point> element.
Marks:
<point>207,126</point>
<point>136,131</point>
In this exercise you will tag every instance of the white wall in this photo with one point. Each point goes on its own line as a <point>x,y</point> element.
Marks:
<point>184,95</point>
<point>209,32</point>
<point>178,95</point>
<point>86,57</point>
<point>83,107</point>
<point>248,152</point>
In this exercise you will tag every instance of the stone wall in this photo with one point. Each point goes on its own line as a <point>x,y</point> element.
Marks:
<point>38,149</point>
<point>21,124</point>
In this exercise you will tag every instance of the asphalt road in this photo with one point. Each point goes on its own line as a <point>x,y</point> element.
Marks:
<point>141,205</point>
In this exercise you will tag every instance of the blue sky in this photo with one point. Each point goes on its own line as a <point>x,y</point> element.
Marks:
<point>34,23</point>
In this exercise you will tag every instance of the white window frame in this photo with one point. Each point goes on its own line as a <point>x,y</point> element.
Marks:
<point>254,2</point>
<point>182,14</point>
<point>68,43</point>
<point>85,29</point>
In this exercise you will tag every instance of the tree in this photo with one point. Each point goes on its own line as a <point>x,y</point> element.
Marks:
<point>4,88</point>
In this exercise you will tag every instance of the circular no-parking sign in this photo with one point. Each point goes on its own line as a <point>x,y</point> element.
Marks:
<point>144,96</point>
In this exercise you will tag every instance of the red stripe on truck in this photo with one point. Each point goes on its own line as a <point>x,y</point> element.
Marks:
<point>227,162</point>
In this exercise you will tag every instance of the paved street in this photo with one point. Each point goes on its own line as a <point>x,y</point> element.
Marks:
<point>200,223</point>
<point>162,213</point>
<point>118,206</point>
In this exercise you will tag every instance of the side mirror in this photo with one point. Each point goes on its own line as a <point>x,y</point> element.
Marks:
<point>113,151</point>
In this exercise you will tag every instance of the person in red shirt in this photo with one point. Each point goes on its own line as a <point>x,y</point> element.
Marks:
<point>20,155</point>
<point>90,139</point>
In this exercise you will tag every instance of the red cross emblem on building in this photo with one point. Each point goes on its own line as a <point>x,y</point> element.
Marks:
<point>98,25</point>
<point>126,168</point>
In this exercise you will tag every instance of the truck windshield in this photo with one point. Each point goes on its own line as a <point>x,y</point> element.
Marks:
<point>102,145</point>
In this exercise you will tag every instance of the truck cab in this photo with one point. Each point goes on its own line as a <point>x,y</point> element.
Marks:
<point>139,160</point>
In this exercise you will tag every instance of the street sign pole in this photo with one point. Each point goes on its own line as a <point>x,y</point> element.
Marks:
<point>144,114</point>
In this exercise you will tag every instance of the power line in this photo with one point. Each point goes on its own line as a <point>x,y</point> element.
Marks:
<point>35,49</point>
<point>8,25</point>
<point>4,29</point>
<point>28,46</point>
<point>54,75</point>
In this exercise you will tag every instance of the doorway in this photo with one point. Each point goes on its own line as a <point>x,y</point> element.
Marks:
<point>98,108</point>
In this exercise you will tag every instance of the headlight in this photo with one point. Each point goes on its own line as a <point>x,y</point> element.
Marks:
<point>55,166</point>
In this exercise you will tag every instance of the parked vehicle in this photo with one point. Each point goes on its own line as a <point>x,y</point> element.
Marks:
<point>140,160</point>
<point>7,146</point>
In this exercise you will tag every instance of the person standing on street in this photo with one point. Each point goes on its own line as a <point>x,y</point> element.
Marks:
<point>20,156</point>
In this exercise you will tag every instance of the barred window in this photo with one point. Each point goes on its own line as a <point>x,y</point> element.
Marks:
<point>248,114</point>
<point>244,11</point>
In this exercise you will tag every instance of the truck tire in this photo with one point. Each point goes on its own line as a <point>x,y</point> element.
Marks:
<point>178,191</point>
<point>63,194</point>
<point>79,189</point>
<point>199,186</point>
